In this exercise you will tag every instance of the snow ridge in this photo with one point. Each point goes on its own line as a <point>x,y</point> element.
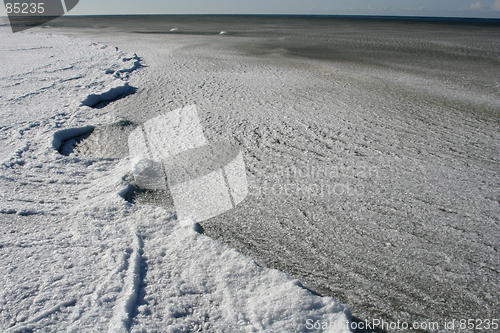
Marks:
<point>123,312</point>
<point>118,88</point>
<point>27,326</point>
<point>135,66</point>
<point>65,134</point>
<point>112,94</point>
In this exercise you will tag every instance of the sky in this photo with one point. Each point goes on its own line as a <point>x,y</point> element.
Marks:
<point>445,8</point>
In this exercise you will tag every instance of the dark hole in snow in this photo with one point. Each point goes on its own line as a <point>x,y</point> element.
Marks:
<point>158,198</point>
<point>140,196</point>
<point>99,101</point>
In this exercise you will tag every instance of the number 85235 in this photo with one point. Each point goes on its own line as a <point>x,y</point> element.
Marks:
<point>24,8</point>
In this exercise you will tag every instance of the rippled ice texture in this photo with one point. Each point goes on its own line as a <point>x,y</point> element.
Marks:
<point>371,146</point>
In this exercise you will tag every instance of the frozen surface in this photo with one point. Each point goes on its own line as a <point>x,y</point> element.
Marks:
<point>374,177</point>
<point>74,255</point>
<point>174,132</point>
<point>204,180</point>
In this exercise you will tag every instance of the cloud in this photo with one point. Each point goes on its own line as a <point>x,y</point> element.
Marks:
<point>378,9</point>
<point>475,6</point>
<point>496,6</point>
<point>417,9</point>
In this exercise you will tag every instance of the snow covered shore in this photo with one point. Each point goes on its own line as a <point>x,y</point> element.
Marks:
<point>374,181</point>
<point>373,175</point>
<point>74,255</point>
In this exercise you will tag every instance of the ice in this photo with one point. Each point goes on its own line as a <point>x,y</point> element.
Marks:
<point>75,255</point>
<point>235,172</point>
<point>174,132</point>
<point>376,184</point>
<point>373,174</point>
<point>202,198</point>
<point>203,179</point>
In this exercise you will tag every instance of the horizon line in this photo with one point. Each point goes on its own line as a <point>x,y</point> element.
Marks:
<point>317,15</point>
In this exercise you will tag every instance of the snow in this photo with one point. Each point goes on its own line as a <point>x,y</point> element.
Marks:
<point>248,297</point>
<point>170,150</point>
<point>66,134</point>
<point>109,95</point>
<point>373,180</point>
<point>377,185</point>
<point>75,255</point>
<point>184,128</point>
